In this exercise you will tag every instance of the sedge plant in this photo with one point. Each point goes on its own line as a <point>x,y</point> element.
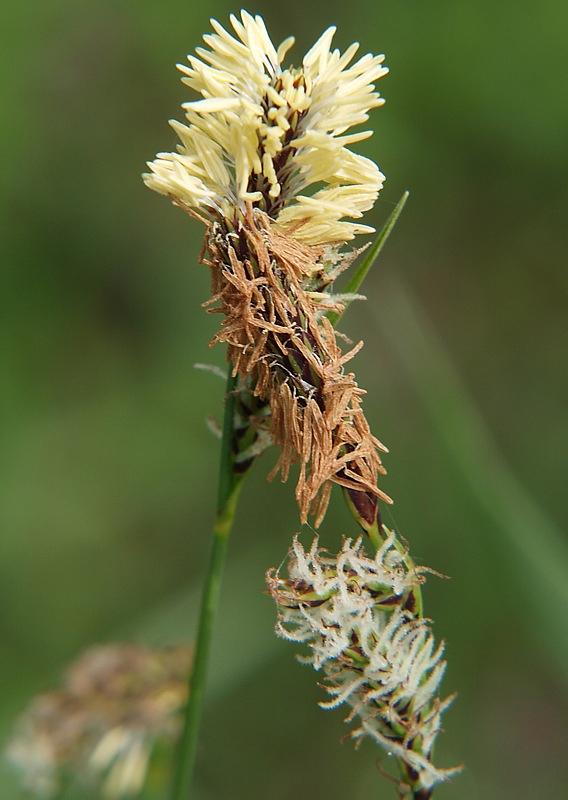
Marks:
<point>265,162</point>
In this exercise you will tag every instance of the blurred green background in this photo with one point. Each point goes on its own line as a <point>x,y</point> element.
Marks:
<point>108,471</point>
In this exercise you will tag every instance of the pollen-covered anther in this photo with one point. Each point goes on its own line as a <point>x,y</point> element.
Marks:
<point>258,118</point>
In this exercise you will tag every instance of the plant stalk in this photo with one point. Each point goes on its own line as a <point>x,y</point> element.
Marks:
<point>228,491</point>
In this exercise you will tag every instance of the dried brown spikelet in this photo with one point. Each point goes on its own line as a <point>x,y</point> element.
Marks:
<point>278,335</point>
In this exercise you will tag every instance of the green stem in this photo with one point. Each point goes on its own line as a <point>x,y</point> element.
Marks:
<point>228,492</point>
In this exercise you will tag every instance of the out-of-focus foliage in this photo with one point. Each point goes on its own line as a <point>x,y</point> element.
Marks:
<point>107,469</point>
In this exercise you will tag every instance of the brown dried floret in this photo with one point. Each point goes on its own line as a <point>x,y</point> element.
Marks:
<point>279,337</point>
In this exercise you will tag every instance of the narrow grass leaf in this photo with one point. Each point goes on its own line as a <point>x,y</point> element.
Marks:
<point>360,273</point>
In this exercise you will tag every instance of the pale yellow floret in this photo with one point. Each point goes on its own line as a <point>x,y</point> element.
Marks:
<point>253,33</point>
<point>317,57</point>
<point>284,47</point>
<point>238,133</point>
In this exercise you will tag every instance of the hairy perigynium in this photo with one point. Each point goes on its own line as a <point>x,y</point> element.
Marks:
<point>356,614</point>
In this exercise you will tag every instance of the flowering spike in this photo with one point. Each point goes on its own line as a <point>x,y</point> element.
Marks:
<point>273,133</point>
<point>255,141</point>
<point>377,656</point>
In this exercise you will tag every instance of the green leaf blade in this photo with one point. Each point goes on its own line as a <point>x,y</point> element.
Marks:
<point>361,272</point>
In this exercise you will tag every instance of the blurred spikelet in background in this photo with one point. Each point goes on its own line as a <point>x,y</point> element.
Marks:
<point>116,705</point>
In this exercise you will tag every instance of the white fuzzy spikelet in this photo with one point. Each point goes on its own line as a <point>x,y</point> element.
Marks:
<point>349,585</point>
<point>353,612</point>
<point>264,134</point>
